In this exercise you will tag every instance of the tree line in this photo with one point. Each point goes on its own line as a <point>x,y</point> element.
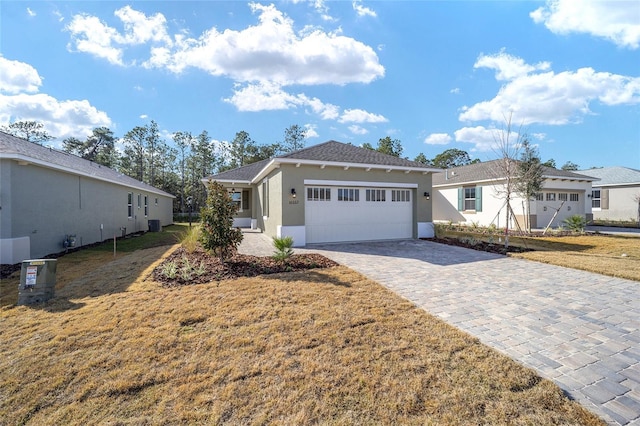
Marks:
<point>146,156</point>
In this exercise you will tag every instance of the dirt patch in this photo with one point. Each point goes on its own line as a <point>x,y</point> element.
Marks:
<point>198,267</point>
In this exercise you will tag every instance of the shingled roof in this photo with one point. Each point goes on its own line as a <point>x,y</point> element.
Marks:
<point>615,175</point>
<point>488,171</point>
<point>19,149</point>
<point>329,153</point>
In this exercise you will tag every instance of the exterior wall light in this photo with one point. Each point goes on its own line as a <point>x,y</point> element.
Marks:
<point>427,195</point>
<point>293,192</point>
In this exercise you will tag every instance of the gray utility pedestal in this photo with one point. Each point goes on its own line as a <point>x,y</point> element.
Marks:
<point>37,281</point>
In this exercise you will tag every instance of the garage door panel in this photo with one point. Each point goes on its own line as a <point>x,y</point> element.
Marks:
<point>334,220</point>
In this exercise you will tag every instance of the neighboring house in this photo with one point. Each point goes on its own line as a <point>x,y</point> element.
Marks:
<point>47,195</point>
<point>333,192</point>
<point>475,194</point>
<point>616,193</point>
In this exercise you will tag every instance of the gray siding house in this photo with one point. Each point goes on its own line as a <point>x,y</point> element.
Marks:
<point>47,195</point>
<point>333,192</point>
<point>616,194</point>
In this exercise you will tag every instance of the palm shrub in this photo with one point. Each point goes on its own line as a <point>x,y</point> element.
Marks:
<point>283,248</point>
<point>217,233</point>
<point>575,223</point>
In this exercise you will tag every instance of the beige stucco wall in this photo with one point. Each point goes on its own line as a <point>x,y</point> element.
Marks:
<point>623,204</point>
<point>293,210</point>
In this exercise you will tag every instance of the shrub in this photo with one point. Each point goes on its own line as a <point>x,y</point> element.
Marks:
<point>191,238</point>
<point>169,270</point>
<point>283,248</point>
<point>575,223</point>
<point>217,233</point>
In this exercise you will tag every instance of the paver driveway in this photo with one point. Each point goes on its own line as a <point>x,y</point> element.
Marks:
<point>576,328</point>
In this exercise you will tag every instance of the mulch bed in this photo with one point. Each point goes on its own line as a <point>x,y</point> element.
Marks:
<point>207,268</point>
<point>480,245</point>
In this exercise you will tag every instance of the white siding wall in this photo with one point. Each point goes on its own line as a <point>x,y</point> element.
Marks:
<point>623,204</point>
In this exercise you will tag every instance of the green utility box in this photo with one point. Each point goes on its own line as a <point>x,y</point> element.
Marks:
<point>37,281</point>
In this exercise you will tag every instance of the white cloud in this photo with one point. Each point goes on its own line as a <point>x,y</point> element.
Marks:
<point>617,21</point>
<point>438,139</point>
<point>455,91</point>
<point>547,97</point>
<point>361,116</point>
<point>17,77</point>
<point>482,138</point>
<point>19,101</point>
<point>508,67</point>
<point>144,116</point>
<point>90,35</point>
<point>30,12</point>
<point>357,130</point>
<point>361,10</point>
<point>310,131</point>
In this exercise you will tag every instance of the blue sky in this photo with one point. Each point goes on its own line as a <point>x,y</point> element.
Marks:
<point>433,74</point>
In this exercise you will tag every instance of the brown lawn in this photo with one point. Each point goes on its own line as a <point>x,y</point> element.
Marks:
<point>325,346</point>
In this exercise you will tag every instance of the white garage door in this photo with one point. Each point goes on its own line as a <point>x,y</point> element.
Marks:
<point>357,214</point>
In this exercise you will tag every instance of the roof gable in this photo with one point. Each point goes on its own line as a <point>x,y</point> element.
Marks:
<point>19,149</point>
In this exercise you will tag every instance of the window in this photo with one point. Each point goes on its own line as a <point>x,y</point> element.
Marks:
<point>139,200</point>
<point>348,194</point>
<point>318,194</point>
<point>400,195</point>
<point>236,198</point>
<point>469,198</point>
<point>377,195</point>
<point>551,196</point>
<point>563,196</point>
<point>130,204</point>
<point>595,199</point>
<point>573,197</point>
<point>146,205</point>
<point>539,196</point>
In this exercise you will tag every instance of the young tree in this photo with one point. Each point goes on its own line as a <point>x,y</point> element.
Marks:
<point>31,131</point>
<point>294,137</point>
<point>529,177</point>
<point>508,143</point>
<point>217,231</point>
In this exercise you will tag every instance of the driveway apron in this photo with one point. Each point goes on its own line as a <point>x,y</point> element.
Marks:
<point>579,329</point>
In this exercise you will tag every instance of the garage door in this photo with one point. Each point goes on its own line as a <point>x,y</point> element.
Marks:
<point>357,213</point>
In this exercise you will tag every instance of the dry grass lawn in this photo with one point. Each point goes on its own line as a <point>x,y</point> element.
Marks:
<point>617,256</point>
<point>318,347</point>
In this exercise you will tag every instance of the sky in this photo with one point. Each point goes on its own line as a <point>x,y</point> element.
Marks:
<point>435,75</point>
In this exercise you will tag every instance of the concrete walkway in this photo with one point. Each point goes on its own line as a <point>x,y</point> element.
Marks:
<point>579,329</point>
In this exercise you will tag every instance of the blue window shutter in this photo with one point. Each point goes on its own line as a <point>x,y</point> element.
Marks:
<point>460,199</point>
<point>478,198</point>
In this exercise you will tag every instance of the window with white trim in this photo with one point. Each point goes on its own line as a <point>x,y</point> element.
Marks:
<point>146,205</point>
<point>318,194</point>
<point>236,198</point>
<point>265,198</point>
<point>563,196</point>
<point>400,195</point>
<point>376,195</point>
<point>139,201</point>
<point>551,196</point>
<point>539,196</point>
<point>348,194</point>
<point>130,204</point>
<point>574,196</point>
<point>595,198</point>
<point>470,198</point>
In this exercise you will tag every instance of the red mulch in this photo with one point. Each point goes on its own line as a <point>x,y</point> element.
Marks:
<point>239,265</point>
